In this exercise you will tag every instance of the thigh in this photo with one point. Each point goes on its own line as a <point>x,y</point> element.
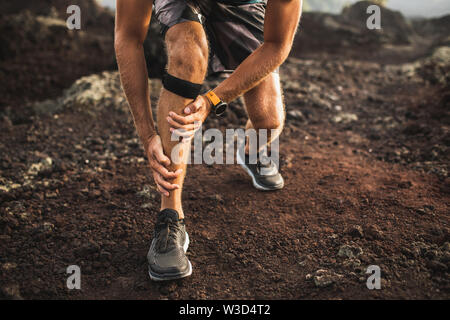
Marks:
<point>235,31</point>
<point>264,103</point>
<point>172,12</point>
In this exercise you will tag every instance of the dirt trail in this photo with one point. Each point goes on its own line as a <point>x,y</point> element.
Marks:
<point>364,155</point>
<point>245,243</point>
<point>248,244</point>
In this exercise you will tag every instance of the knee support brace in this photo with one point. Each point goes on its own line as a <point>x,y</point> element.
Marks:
<point>181,87</point>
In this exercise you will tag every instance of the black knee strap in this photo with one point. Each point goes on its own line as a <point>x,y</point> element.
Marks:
<point>181,87</point>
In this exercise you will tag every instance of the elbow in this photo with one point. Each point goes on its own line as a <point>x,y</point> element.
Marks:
<point>284,51</point>
<point>280,50</point>
<point>119,42</point>
<point>124,40</point>
<point>117,45</point>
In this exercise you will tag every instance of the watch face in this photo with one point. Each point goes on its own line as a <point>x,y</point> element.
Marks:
<point>220,108</point>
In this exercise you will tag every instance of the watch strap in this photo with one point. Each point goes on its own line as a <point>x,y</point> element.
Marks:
<point>213,98</point>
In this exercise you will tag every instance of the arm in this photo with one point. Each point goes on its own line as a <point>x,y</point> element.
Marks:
<point>280,24</point>
<point>132,21</point>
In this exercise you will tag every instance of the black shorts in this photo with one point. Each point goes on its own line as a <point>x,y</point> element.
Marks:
<point>235,28</point>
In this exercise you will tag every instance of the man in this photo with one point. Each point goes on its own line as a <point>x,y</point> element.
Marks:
<point>251,37</point>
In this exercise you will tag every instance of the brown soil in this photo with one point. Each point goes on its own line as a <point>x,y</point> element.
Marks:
<point>87,209</point>
<point>364,155</point>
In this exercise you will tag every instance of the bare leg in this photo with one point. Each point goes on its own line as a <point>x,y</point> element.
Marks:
<point>187,51</point>
<point>265,108</point>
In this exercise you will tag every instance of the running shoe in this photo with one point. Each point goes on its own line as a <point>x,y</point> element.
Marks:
<point>265,176</point>
<point>167,255</point>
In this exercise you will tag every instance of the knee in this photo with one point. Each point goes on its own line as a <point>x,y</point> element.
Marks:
<point>270,122</point>
<point>187,51</point>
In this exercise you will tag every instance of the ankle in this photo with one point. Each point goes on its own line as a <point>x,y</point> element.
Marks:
<point>178,209</point>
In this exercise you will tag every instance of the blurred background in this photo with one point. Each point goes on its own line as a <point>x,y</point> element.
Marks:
<point>414,8</point>
<point>365,152</point>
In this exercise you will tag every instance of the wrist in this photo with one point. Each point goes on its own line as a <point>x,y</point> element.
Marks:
<point>208,100</point>
<point>215,102</point>
<point>208,103</point>
<point>148,139</point>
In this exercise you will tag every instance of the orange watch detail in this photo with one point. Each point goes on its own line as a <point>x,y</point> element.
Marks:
<point>213,98</point>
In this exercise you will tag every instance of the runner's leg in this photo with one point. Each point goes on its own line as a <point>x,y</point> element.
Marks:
<point>187,51</point>
<point>265,108</point>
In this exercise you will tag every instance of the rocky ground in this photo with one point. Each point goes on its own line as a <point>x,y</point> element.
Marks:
<point>364,155</point>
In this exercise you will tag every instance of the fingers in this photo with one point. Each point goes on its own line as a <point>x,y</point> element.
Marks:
<point>162,190</point>
<point>184,126</point>
<point>181,133</point>
<point>166,174</point>
<point>159,163</point>
<point>186,132</point>
<point>183,119</point>
<point>163,186</point>
<point>177,125</point>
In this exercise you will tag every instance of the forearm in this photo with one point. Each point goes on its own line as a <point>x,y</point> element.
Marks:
<point>253,70</point>
<point>134,78</point>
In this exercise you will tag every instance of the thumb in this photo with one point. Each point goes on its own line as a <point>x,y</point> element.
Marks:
<point>161,157</point>
<point>193,106</point>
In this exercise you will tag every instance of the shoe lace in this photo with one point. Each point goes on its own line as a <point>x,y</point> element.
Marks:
<point>167,234</point>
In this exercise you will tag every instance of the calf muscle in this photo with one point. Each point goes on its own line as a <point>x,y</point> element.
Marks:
<point>187,59</point>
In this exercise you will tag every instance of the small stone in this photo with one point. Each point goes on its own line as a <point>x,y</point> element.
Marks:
<point>426,209</point>
<point>276,277</point>
<point>292,86</point>
<point>229,256</point>
<point>216,197</point>
<point>295,114</point>
<point>44,166</point>
<point>147,205</point>
<point>51,195</point>
<point>207,235</point>
<point>105,255</point>
<point>125,282</point>
<point>7,124</point>
<point>46,227</point>
<point>355,231</point>
<point>352,263</point>
<point>344,117</point>
<point>437,266</point>
<point>349,251</point>
<point>324,278</point>
<point>321,103</point>
<point>9,266</point>
<point>146,192</point>
<point>421,211</point>
<point>373,232</point>
<point>96,193</point>
<point>12,292</point>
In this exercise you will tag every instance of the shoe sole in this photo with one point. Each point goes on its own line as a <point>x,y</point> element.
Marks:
<point>162,277</point>
<point>255,183</point>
